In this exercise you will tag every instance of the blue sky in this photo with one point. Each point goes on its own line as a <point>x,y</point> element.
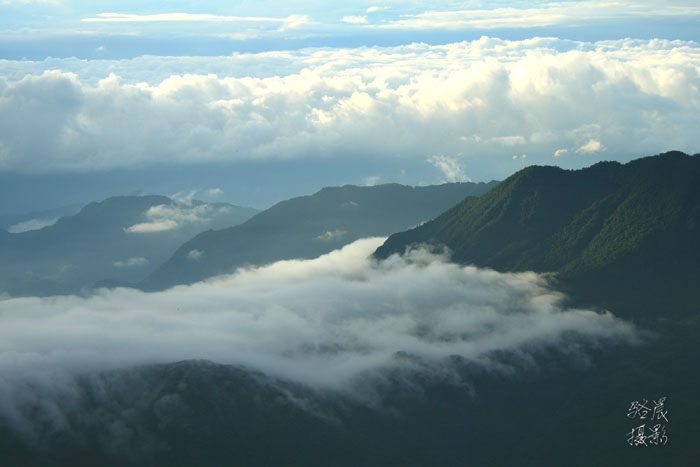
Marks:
<point>267,100</point>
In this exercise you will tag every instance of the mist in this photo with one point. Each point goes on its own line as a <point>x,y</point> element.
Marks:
<point>323,322</point>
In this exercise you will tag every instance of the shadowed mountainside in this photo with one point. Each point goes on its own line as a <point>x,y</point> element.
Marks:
<point>309,226</point>
<point>623,237</point>
<point>96,243</point>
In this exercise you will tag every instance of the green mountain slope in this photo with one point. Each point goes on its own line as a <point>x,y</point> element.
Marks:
<point>618,236</point>
<point>308,226</point>
<point>96,243</point>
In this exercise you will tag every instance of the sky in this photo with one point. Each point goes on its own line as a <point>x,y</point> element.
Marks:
<point>261,101</point>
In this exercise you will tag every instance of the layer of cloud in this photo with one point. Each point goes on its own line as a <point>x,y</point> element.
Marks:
<point>544,14</point>
<point>475,98</point>
<point>336,323</point>
<point>184,210</point>
<point>321,322</point>
<point>32,224</point>
<point>136,18</point>
<point>152,227</point>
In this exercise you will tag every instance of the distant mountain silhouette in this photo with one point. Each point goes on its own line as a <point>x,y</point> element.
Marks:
<point>97,243</point>
<point>308,226</point>
<point>618,236</point>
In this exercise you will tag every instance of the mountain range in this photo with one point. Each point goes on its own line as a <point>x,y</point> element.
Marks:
<point>121,238</point>
<point>621,237</point>
<point>309,226</point>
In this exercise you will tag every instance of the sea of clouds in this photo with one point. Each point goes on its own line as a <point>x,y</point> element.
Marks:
<point>324,323</point>
<point>547,98</point>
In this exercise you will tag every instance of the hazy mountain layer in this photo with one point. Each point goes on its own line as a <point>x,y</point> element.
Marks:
<point>308,226</point>
<point>121,238</point>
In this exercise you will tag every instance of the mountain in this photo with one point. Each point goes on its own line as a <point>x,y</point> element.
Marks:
<point>308,226</point>
<point>623,237</point>
<point>121,238</point>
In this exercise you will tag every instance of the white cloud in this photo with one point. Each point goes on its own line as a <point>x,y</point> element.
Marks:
<point>152,227</point>
<point>354,19</point>
<point>195,255</point>
<point>560,152</point>
<point>184,210</point>
<point>591,147</point>
<point>321,322</point>
<point>134,262</point>
<point>639,97</point>
<point>374,9</point>
<point>450,167</point>
<point>545,14</point>
<point>135,18</point>
<point>215,192</point>
<point>32,224</point>
<point>371,180</point>
<point>331,235</point>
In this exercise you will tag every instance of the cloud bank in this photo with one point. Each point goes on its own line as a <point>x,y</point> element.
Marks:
<point>483,100</point>
<point>323,322</point>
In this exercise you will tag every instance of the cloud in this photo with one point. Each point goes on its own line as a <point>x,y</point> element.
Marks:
<point>450,167</point>
<point>321,322</point>
<point>591,147</point>
<point>371,180</point>
<point>560,152</point>
<point>546,14</point>
<point>152,227</point>
<point>32,224</point>
<point>374,9</point>
<point>406,102</point>
<point>331,235</point>
<point>181,17</point>
<point>184,210</point>
<point>195,255</point>
<point>215,192</point>
<point>339,323</point>
<point>134,262</point>
<point>354,19</point>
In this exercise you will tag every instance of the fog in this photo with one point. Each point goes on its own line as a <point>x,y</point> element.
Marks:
<point>322,322</point>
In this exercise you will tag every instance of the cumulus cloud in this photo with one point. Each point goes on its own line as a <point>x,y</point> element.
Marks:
<point>134,262</point>
<point>560,152</point>
<point>639,97</point>
<point>450,167</point>
<point>374,9</point>
<point>32,224</point>
<point>591,147</point>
